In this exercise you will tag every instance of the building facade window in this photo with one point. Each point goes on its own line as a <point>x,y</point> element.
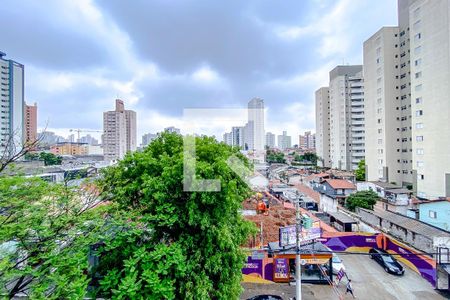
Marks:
<point>419,138</point>
<point>417,37</point>
<point>417,50</point>
<point>432,214</point>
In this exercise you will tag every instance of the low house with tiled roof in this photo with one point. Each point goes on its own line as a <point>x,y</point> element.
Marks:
<point>333,193</point>
<point>314,180</point>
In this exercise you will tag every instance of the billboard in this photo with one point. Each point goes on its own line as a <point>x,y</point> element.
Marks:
<point>288,234</point>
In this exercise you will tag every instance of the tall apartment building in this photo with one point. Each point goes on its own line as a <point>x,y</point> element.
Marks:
<point>254,133</point>
<point>172,129</point>
<point>148,138</point>
<point>284,141</point>
<point>307,141</point>
<point>323,126</point>
<point>30,121</point>
<point>415,67</point>
<point>346,96</point>
<point>357,121</point>
<point>88,139</point>
<point>237,134</point>
<point>49,138</point>
<point>429,61</point>
<point>228,138</point>
<point>11,104</point>
<point>119,132</point>
<point>270,140</point>
<point>248,135</point>
<point>387,108</point>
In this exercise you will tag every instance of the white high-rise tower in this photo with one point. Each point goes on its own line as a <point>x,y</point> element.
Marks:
<point>255,134</point>
<point>12,104</point>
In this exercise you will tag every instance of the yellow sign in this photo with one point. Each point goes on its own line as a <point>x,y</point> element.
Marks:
<point>316,261</point>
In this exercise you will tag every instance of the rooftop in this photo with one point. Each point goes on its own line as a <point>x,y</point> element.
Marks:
<point>340,184</point>
<point>343,218</point>
<point>399,191</point>
<point>385,185</point>
<point>410,224</point>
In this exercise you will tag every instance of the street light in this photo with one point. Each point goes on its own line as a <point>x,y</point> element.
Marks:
<point>298,230</point>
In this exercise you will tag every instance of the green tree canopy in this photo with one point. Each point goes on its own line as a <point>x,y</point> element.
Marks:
<point>31,156</point>
<point>364,199</point>
<point>50,159</point>
<point>45,234</point>
<point>275,157</point>
<point>174,244</point>
<point>360,172</point>
<point>308,156</point>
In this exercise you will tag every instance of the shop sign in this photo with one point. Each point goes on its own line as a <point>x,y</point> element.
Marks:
<point>281,269</point>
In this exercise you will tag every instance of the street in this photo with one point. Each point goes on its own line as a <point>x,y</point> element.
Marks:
<point>369,280</point>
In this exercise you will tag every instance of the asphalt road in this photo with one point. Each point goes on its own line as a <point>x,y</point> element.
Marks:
<point>369,280</point>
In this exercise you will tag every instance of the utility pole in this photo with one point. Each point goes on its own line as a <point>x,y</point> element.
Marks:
<point>261,236</point>
<point>298,229</point>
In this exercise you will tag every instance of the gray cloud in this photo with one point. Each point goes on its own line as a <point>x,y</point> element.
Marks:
<point>94,51</point>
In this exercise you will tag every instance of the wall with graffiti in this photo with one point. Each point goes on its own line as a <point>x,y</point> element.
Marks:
<point>363,242</point>
<point>357,242</point>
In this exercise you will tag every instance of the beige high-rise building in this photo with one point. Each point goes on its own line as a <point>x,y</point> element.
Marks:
<point>119,132</point>
<point>307,141</point>
<point>346,127</point>
<point>30,120</point>
<point>323,126</point>
<point>407,83</point>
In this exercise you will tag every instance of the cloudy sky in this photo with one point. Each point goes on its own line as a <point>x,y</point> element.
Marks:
<point>164,56</point>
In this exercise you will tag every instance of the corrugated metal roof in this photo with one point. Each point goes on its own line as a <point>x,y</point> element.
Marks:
<point>342,217</point>
<point>411,224</point>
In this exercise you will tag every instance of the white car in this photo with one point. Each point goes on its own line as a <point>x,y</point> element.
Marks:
<point>337,264</point>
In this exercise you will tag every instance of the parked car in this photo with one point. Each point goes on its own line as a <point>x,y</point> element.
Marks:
<point>389,263</point>
<point>337,264</point>
<point>266,297</point>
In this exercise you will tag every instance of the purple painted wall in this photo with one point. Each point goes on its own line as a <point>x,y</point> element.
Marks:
<point>426,269</point>
<point>253,266</point>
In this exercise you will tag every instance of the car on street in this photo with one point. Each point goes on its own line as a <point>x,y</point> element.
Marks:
<point>337,264</point>
<point>266,297</point>
<point>384,259</point>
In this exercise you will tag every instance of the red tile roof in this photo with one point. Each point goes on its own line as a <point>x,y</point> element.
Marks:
<point>322,175</point>
<point>341,184</point>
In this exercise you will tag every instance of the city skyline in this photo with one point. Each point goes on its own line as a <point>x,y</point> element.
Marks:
<point>284,60</point>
